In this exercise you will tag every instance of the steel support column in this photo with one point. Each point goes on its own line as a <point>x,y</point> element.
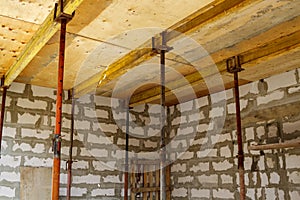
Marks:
<point>2,113</point>
<point>126,153</point>
<point>234,66</point>
<point>70,161</point>
<point>63,18</point>
<point>163,50</point>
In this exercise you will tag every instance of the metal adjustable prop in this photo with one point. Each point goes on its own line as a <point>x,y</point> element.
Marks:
<point>63,19</point>
<point>234,66</point>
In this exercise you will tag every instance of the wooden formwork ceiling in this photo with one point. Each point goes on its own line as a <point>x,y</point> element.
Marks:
<point>109,45</point>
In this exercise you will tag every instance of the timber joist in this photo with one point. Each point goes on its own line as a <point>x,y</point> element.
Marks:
<point>45,32</point>
<point>144,52</point>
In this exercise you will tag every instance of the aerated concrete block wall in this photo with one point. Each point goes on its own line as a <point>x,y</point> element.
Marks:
<point>99,141</point>
<point>205,130</point>
<point>201,141</point>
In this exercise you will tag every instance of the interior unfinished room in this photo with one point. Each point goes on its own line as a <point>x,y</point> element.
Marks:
<point>150,99</point>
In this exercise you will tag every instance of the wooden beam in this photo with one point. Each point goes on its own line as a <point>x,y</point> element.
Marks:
<point>249,58</point>
<point>47,29</point>
<point>144,52</point>
<point>287,144</point>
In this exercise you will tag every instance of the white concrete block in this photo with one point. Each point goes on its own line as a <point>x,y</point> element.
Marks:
<point>275,178</point>
<point>10,161</point>
<point>264,179</point>
<point>186,155</point>
<point>176,143</point>
<point>36,104</point>
<point>179,192</point>
<point>178,167</point>
<point>154,109</point>
<point>292,161</point>
<point>291,127</point>
<point>185,179</point>
<point>229,94</point>
<point>99,139</point>
<point>10,176</point>
<point>185,131</point>
<point>7,192</point>
<point>177,120</point>
<point>294,195</point>
<point>102,114</point>
<point>207,152</point>
<point>248,88</point>
<point>249,133</point>
<point>38,162</point>
<point>200,193</point>
<point>276,95</point>
<point>134,142</point>
<point>225,152</point>
<point>294,89</point>
<point>226,179</point>
<point>103,101</point>
<point>80,164</point>
<point>39,148</point>
<point>82,124</point>
<point>150,144</point>
<point>223,194</point>
<point>201,102</point>
<point>38,91</point>
<point>195,116</point>
<point>216,112</point>
<point>222,166</point>
<point>39,134</point>
<point>111,128</point>
<point>103,192</point>
<point>218,97</point>
<point>22,147</point>
<point>211,179</point>
<point>250,193</point>
<point>281,81</point>
<point>86,179</point>
<point>260,131</point>
<point>202,128</point>
<point>102,166</point>
<point>231,107</point>
<point>201,166</point>
<point>17,87</point>
<point>187,106</point>
<point>9,132</point>
<point>78,192</point>
<point>294,177</point>
<point>111,179</point>
<point>270,194</point>
<point>27,118</point>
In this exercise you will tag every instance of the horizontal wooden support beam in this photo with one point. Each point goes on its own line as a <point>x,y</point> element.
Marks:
<point>144,52</point>
<point>251,57</point>
<point>287,144</point>
<point>47,29</point>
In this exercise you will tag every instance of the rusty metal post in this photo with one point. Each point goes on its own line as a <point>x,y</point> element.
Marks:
<point>2,113</point>
<point>126,153</point>
<point>70,161</point>
<point>234,66</point>
<point>63,18</point>
<point>163,50</point>
<point>57,133</point>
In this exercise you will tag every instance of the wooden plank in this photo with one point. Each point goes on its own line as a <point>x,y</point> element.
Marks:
<point>145,181</point>
<point>132,183</point>
<point>47,29</point>
<point>168,182</point>
<point>274,47</point>
<point>287,144</point>
<point>280,29</point>
<point>151,182</point>
<point>157,181</point>
<point>144,52</point>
